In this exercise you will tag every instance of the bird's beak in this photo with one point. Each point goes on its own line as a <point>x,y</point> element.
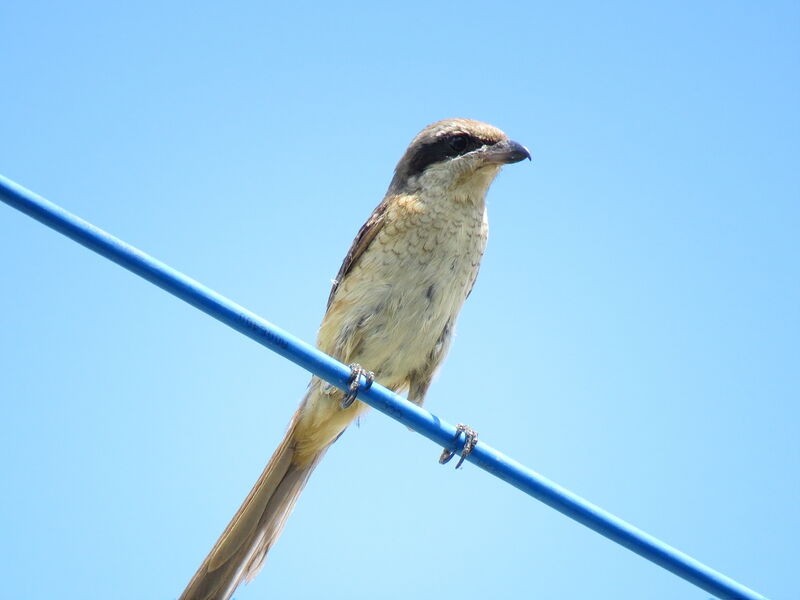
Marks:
<point>505,152</point>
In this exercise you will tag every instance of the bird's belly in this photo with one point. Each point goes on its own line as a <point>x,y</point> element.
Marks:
<point>402,330</point>
<point>395,317</point>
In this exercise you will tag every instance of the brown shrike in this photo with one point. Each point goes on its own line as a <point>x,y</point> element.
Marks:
<point>392,309</point>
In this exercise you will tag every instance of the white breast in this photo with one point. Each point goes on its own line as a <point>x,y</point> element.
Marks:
<point>409,285</point>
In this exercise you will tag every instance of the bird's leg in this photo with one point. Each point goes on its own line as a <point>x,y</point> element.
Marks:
<point>469,444</point>
<point>356,371</point>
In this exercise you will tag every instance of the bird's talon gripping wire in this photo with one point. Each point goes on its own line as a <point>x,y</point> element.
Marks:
<point>356,371</point>
<point>469,444</point>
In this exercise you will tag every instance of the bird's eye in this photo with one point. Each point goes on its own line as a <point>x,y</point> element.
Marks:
<point>458,142</point>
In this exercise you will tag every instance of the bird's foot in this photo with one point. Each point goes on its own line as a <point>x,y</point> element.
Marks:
<point>471,438</point>
<point>356,371</point>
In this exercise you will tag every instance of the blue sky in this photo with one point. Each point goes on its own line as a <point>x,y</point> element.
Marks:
<point>633,334</point>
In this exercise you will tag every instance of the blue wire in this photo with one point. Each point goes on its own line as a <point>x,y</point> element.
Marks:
<point>377,396</point>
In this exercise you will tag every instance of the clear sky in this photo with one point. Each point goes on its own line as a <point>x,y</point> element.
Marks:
<point>633,334</point>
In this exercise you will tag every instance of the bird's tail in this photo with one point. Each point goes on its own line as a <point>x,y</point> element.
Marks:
<point>240,551</point>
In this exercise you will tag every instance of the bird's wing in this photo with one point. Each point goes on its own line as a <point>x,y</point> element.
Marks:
<point>363,239</point>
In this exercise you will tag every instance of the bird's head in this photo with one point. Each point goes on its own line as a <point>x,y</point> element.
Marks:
<point>456,157</point>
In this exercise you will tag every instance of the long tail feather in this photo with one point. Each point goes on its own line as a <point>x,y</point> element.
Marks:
<point>240,551</point>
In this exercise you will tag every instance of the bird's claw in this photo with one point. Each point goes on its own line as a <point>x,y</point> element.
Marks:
<point>356,371</point>
<point>469,444</point>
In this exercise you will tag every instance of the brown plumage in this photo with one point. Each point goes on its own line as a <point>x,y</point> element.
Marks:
<point>392,309</point>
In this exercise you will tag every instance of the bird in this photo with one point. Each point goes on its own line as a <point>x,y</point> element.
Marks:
<point>391,315</point>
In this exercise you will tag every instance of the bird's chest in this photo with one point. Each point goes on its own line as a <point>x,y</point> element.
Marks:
<point>413,278</point>
<point>431,261</point>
